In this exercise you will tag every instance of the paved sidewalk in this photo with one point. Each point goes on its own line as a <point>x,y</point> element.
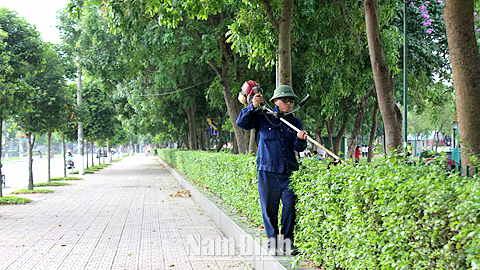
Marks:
<point>121,217</point>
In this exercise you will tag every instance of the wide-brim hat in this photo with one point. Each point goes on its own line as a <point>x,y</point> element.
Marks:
<point>283,91</point>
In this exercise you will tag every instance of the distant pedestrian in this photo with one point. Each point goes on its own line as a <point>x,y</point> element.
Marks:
<point>40,152</point>
<point>357,154</point>
<point>304,153</point>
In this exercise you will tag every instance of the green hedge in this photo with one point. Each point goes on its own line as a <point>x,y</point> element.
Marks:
<point>385,215</point>
<point>231,177</point>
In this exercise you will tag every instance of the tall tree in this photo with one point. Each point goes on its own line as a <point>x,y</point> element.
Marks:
<point>383,77</point>
<point>20,53</point>
<point>53,98</point>
<point>465,60</point>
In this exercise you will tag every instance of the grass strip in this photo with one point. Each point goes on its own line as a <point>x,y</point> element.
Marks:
<point>30,191</point>
<point>65,178</point>
<point>13,200</point>
<point>50,184</point>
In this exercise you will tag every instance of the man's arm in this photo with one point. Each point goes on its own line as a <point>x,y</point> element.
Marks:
<point>301,140</point>
<point>246,117</point>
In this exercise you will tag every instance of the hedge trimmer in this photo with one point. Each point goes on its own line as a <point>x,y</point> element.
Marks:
<point>251,88</point>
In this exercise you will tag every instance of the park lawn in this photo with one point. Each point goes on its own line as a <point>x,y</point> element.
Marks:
<point>13,200</point>
<point>65,178</point>
<point>51,184</point>
<point>87,171</point>
<point>28,191</point>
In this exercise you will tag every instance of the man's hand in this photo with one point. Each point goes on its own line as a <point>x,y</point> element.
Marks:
<point>302,135</point>
<point>257,100</point>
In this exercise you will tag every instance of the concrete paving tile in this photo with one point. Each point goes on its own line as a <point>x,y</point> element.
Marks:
<point>119,218</point>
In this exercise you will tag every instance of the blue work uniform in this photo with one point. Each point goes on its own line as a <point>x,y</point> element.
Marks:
<point>275,162</point>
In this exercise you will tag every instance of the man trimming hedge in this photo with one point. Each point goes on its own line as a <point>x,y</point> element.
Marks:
<point>275,161</point>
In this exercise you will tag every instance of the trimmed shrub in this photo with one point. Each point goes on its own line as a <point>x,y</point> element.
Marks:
<point>387,215</point>
<point>382,215</point>
<point>230,177</point>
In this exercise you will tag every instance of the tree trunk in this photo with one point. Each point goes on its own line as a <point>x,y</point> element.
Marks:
<point>86,153</point>
<point>207,137</point>
<point>102,155</point>
<point>201,140</point>
<point>330,124</point>
<point>109,152</point>
<point>220,142</point>
<point>81,169</point>
<point>319,125</point>
<point>64,156</point>
<point>192,130</point>
<point>465,60</point>
<point>49,147</point>
<point>92,150</point>
<point>284,44</point>
<point>357,127</point>
<point>283,28</point>
<point>373,132</point>
<point>384,83</point>
<point>234,147</point>
<point>185,142</point>
<point>1,165</point>
<point>233,107</point>
<point>341,134</point>
<point>6,142</point>
<point>343,128</point>
<point>252,145</point>
<point>31,143</point>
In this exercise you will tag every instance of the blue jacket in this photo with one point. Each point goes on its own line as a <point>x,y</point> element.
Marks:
<point>277,140</point>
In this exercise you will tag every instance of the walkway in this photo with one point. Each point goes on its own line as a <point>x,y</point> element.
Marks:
<point>121,217</point>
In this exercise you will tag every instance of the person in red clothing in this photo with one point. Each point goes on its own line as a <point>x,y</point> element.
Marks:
<point>357,154</point>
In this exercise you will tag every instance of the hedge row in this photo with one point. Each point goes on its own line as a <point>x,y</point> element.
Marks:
<point>386,215</point>
<point>230,177</point>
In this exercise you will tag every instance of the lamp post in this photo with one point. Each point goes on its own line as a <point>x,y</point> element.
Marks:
<point>405,75</point>
<point>455,128</point>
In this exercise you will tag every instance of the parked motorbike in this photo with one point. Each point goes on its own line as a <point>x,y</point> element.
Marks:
<point>69,161</point>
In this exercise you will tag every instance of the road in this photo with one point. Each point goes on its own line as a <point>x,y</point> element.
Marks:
<point>16,171</point>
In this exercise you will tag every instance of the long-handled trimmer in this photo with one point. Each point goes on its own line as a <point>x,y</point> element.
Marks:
<point>251,88</point>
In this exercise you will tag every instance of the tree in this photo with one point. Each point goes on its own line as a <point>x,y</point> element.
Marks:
<point>383,77</point>
<point>465,60</point>
<point>20,54</point>
<point>98,113</point>
<point>208,32</point>
<point>51,97</point>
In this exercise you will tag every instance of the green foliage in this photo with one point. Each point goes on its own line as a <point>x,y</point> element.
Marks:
<point>99,167</point>
<point>65,178</point>
<point>87,171</point>
<point>91,169</point>
<point>387,215</point>
<point>230,177</point>
<point>29,191</point>
<point>48,99</point>
<point>51,184</point>
<point>20,54</point>
<point>13,200</point>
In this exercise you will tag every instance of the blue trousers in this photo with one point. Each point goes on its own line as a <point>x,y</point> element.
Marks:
<point>273,187</point>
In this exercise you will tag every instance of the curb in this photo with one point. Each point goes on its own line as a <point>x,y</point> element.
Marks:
<point>257,256</point>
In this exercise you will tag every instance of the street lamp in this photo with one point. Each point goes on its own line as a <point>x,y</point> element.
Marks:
<point>454,127</point>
